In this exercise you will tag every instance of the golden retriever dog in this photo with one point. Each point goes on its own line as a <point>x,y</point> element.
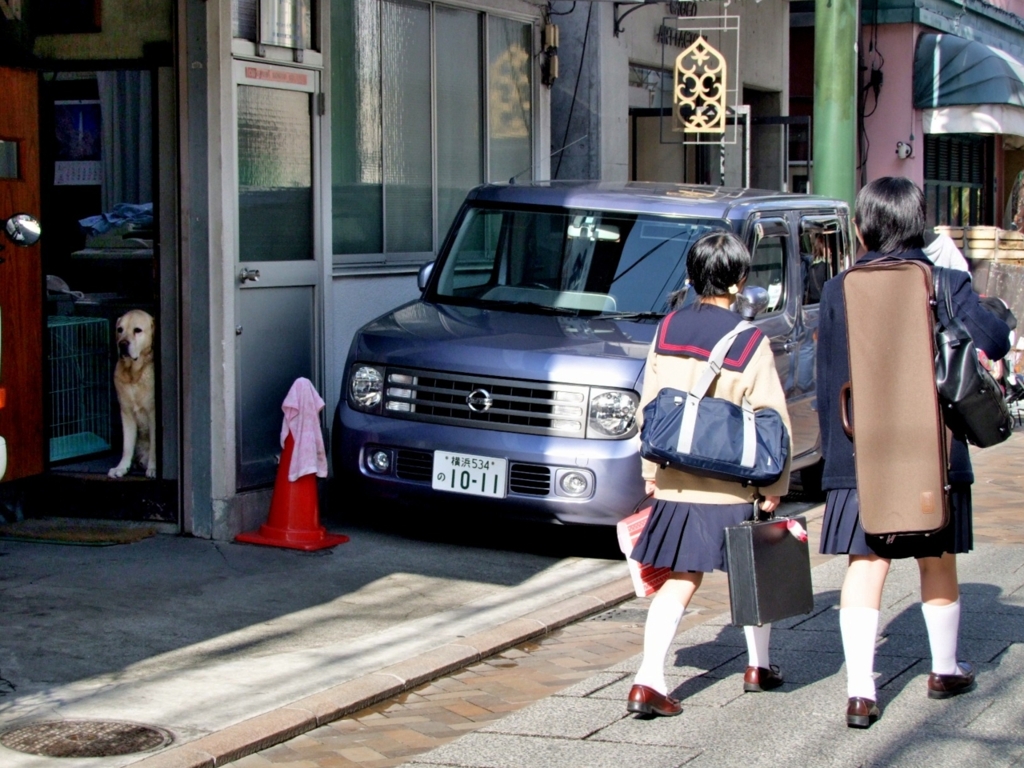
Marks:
<point>135,383</point>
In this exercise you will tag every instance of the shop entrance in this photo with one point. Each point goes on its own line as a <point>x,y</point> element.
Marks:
<point>21,312</point>
<point>105,191</point>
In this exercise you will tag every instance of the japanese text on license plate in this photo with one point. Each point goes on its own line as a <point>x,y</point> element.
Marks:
<point>465,473</point>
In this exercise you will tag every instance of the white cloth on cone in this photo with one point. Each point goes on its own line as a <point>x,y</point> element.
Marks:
<point>302,408</point>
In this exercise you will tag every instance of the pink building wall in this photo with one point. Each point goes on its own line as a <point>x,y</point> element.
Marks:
<point>1013,6</point>
<point>895,118</point>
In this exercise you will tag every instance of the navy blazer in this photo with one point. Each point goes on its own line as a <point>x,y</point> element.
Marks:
<point>989,333</point>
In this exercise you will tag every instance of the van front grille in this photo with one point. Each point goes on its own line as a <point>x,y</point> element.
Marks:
<point>530,479</point>
<point>508,405</point>
<point>414,465</point>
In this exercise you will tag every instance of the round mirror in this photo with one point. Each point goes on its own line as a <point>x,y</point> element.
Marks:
<point>751,301</point>
<point>22,229</point>
<point>424,276</point>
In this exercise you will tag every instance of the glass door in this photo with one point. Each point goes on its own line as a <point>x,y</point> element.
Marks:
<point>278,274</point>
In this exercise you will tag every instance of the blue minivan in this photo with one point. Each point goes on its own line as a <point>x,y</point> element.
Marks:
<point>513,382</point>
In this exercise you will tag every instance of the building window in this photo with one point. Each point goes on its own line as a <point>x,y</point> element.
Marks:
<point>427,102</point>
<point>958,179</point>
<point>285,23</point>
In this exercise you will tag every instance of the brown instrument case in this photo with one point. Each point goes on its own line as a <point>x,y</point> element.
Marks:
<point>891,406</point>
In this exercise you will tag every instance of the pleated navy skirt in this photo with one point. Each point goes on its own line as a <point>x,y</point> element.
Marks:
<point>841,532</point>
<point>688,537</point>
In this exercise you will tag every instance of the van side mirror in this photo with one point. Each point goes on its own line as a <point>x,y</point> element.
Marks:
<point>751,301</point>
<point>423,277</point>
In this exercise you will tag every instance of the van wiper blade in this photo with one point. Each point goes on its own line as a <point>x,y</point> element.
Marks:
<point>632,315</point>
<point>532,306</point>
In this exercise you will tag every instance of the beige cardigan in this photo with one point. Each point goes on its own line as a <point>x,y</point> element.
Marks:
<point>759,382</point>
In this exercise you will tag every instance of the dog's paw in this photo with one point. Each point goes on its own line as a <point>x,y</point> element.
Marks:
<point>118,471</point>
<point>150,471</point>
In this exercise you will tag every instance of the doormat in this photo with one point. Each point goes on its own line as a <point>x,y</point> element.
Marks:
<point>71,530</point>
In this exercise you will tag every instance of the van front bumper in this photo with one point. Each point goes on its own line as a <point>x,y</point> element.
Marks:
<point>535,465</point>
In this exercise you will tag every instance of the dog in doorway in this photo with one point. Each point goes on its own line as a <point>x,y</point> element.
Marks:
<point>135,383</point>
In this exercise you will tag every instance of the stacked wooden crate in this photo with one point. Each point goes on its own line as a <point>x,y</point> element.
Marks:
<point>955,233</point>
<point>990,243</point>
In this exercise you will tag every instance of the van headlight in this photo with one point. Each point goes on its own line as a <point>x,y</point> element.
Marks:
<point>612,413</point>
<point>366,387</point>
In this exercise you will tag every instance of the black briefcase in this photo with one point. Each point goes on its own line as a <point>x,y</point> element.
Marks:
<point>769,571</point>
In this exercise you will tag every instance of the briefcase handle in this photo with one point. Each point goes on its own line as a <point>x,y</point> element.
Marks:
<point>845,392</point>
<point>760,516</point>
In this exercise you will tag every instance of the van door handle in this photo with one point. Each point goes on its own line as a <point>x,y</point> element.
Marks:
<point>248,275</point>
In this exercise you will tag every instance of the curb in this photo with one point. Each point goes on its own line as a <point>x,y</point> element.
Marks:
<point>286,722</point>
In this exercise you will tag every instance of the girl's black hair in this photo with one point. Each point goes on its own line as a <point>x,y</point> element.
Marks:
<point>716,262</point>
<point>890,215</point>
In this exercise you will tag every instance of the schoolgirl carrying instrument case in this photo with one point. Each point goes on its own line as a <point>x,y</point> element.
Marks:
<point>891,405</point>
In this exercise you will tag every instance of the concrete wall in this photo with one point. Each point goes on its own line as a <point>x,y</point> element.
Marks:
<point>575,95</point>
<point>357,300</point>
<point>125,26</point>
<point>895,119</point>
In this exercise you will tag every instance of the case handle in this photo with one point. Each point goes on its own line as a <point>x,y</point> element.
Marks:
<point>845,392</point>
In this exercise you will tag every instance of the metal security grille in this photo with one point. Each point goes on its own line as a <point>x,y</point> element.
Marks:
<point>80,373</point>
<point>507,405</point>
<point>958,179</point>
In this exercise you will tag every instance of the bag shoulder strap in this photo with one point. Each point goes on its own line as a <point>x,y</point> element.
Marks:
<point>717,357</point>
<point>943,297</point>
<point>688,424</point>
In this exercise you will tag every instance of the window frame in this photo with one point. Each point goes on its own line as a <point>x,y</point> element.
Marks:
<point>840,257</point>
<point>410,262</point>
<point>783,232</point>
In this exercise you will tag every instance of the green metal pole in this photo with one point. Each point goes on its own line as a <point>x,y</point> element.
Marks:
<point>835,99</point>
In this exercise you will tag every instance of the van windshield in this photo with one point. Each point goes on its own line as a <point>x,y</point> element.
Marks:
<point>572,261</point>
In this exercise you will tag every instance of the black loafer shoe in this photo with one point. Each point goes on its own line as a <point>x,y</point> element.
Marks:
<point>861,713</point>
<point>761,679</point>
<point>944,686</point>
<point>644,700</point>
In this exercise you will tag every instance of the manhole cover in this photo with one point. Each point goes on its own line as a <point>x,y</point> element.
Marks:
<point>84,738</point>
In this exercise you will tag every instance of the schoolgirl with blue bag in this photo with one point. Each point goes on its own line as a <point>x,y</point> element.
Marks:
<point>692,507</point>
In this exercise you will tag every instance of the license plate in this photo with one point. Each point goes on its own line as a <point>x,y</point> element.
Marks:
<point>465,473</point>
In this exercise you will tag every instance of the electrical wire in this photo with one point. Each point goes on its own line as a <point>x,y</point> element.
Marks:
<point>873,86</point>
<point>562,13</point>
<point>575,90</point>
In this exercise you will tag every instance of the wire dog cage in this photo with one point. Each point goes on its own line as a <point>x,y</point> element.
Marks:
<point>80,376</point>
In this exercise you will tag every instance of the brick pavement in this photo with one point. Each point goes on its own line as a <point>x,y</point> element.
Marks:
<point>393,732</point>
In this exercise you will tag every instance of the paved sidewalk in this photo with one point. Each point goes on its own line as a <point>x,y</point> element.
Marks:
<point>233,647</point>
<point>803,723</point>
<point>290,674</point>
<point>394,731</point>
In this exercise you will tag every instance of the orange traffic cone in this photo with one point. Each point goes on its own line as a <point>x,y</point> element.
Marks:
<point>294,519</point>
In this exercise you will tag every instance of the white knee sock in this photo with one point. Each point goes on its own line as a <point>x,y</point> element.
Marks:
<point>663,619</point>
<point>757,645</point>
<point>943,623</point>
<point>859,627</point>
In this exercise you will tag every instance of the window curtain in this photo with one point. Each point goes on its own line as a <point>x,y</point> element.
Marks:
<point>126,115</point>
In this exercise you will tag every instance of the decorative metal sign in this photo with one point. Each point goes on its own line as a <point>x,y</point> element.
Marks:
<point>703,55</point>
<point>698,98</point>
